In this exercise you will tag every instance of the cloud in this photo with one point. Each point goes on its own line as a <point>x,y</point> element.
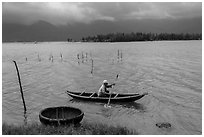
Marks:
<point>159,10</point>
<point>55,13</point>
<point>70,13</point>
<point>184,10</point>
<point>148,10</point>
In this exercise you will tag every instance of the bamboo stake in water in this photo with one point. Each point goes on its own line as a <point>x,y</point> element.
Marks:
<point>39,58</point>
<point>86,56</point>
<point>78,59</point>
<point>118,54</point>
<point>91,66</point>
<point>82,56</point>
<point>52,58</point>
<point>21,90</point>
<point>121,55</point>
<point>78,56</point>
<point>61,56</point>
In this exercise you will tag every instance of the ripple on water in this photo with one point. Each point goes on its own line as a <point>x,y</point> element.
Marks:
<point>169,71</point>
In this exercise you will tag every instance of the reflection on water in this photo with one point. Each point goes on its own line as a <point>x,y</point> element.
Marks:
<point>130,105</point>
<point>25,118</point>
<point>169,71</point>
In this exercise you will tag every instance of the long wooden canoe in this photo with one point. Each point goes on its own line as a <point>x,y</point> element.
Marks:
<point>92,96</point>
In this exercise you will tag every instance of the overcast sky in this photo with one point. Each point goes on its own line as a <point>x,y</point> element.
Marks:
<point>70,13</point>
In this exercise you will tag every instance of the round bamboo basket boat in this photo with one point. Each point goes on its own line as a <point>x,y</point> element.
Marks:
<point>62,115</point>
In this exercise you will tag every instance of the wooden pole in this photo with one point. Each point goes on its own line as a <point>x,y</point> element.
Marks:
<point>78,56</point>
<point>39,57</point>
<point>118,53</point>
<point>82,56</point>
<point>86,56</point>
<point>121,55</point>
<point>91,66</point>
<point>21,90</point>
<point>25,118</point>
<point>61,56</point>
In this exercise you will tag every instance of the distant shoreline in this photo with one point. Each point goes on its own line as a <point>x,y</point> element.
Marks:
<point>123,37</point>
<point>140,36</point>
<point>33,42</point>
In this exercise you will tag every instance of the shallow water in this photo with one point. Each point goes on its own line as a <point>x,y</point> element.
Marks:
<point>170,71</point>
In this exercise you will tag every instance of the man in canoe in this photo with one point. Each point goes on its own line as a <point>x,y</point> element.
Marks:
<point>103,92</point>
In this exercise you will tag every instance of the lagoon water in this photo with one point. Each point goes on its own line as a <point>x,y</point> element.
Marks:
<point>171,71</point>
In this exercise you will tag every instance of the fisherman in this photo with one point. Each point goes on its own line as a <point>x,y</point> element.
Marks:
<point>103,92</point>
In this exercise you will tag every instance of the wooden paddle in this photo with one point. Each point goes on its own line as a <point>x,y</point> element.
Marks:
<point>107,105</point>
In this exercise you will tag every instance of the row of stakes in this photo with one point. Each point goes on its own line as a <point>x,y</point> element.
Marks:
<point>83,57</point>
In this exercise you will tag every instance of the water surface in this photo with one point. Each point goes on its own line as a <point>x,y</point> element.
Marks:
<point>170,71</point>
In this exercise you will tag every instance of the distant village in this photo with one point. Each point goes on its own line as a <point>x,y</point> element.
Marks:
<point>127,37</point>
<point>130,37</point>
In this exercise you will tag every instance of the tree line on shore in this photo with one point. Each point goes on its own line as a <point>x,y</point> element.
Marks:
<point>139,36</point>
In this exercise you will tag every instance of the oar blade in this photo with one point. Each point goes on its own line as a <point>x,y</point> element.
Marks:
<point>107,106</point>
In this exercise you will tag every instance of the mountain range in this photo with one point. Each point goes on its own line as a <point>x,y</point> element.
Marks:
<point>44,31</point>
